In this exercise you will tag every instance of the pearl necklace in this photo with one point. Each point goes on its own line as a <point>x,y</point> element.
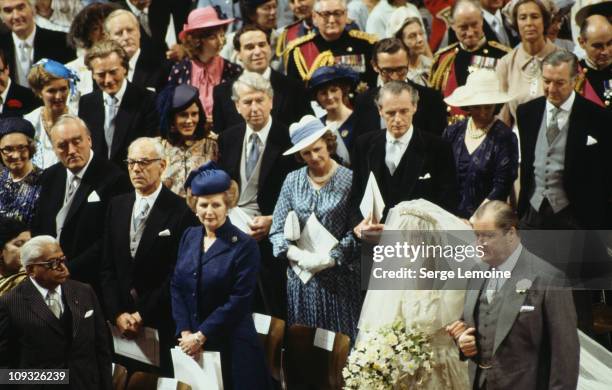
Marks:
<point>475,133</point>
<point>325,178</point>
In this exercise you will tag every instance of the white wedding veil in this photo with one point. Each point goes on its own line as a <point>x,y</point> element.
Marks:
<point>420,220</point>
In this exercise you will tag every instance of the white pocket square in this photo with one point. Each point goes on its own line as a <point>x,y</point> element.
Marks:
<point>93,197</point>
<point>591,141</point>
<point>164,233</point>
<point>425,176</point>
<point>526,309</point>
<point>89,313</point>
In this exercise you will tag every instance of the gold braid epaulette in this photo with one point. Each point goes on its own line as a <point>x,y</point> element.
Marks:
<point>580,83</point>
<point>280,43</point>
<point>363,35</point>
<point>499,46</point>
<point>325,58</point>
<point>439,76</point>
<point>293,44</point>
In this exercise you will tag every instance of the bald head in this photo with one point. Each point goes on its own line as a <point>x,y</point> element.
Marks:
<point>467,23</point>
<point>596,40</point>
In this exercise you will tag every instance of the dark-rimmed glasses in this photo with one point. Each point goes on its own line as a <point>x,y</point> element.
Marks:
<point>142,163</point>
<point>52,264</point>
<point>10,149</point>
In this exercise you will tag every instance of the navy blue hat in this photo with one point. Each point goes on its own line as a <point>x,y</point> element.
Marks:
<point>208,179</point>
<point>327,74</point>
<point>16,125</point>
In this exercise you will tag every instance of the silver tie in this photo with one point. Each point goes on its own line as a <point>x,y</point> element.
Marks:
<point>253,155</point>
<point>53,303</point>
<point>73,185</point>
<point>141,216</point>
<point>491,290</point>
<point>552,131</point>
<point>391,157</point>
<point>109,120</point>
<point>24,64</point>
<point>143,18</point>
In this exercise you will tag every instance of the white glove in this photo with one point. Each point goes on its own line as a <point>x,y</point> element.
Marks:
<point>296,254</point>
<point>315,262</point>
<point>292,227</point>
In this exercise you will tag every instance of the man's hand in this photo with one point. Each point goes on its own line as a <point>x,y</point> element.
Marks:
<point>467,342</point>
<point>456,329</point>
<point>369,224</point>
<point>260,227</point>
<point>127,325</point>
<point>176,53</point>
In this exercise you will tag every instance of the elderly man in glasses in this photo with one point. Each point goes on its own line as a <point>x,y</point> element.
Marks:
<point>51,322</point>
<point>142,233</point>
<point>74,197</point>
<point>332,44</point>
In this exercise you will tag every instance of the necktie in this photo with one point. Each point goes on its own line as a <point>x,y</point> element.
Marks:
<point>53,303</point>
<point>143,18</point>
<point>141,216</point>
<point>391,157</point>
<point>24,63</point>
<point>491,290</point>
<point>500,32</point>
<point>109,120</point>
<point>552,131</point>
<point>72,187</point>
<point>253,156</point>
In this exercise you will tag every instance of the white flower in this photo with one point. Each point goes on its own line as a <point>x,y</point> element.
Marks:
<point>523,285</point>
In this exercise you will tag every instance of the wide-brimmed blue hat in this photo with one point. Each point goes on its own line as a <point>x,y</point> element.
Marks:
<point>327,74</point>
<point>305,132</point>
<point>208,179</point>
<point>16,125</point>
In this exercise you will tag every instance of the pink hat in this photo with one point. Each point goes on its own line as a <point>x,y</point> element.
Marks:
<point>201,18</point>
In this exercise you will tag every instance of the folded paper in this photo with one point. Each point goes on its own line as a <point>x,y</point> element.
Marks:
<point>372,202</point>
<point>144,348</point>
<point>201,374</point>
<point>240,219</point>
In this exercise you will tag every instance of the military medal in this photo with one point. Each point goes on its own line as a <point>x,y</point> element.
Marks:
<point>607,92</point>
<point>482,62</point>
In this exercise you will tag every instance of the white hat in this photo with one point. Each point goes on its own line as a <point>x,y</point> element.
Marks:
<point>304,133</point>
<point>482,88</point>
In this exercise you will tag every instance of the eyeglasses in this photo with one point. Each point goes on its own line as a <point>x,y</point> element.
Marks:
<point>52,264</point>
<point>142,163</point>
<point>328,14</point>
<point>10,149</point>
<point>400,70</point>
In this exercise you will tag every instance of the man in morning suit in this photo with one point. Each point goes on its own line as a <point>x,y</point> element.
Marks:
<point>74,197</point>
<point>390,61</point>
<point>290,101</point>
<point>15,100</point>
<point>51,322</point>
<point>518,332</point>
<point>142,233</point>
<point>407,163</point>
<point>565,149</point>
<point>27,43</point>
<point>148,67</point>
<point>118,112</point>
<point>251,153</point>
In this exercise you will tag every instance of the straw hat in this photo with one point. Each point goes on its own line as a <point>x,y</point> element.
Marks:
<point>200,18</point>
<point>482,88</point>
<point>304,133</point>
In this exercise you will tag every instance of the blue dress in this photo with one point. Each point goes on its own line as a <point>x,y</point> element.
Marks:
<point>332,298</point>
<point>19,200</point>
<point>212,292</point>
<point>489,172</point>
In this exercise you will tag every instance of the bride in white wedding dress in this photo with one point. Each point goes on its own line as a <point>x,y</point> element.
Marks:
<point>432,310</point>
<point>429,310</point>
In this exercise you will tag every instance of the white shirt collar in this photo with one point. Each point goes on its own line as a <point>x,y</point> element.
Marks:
<point>266,74</point>
<point>510,262</point>
<point>80,173</point>
<point>404,140</point>
<point>119,94</point>
<point>4,94</point>
<point>29,40</point>
<point>132,65</point>
<point>43,291</point>
<point>135,10</point>
<point>489,17</point>
<point>565,107</point>
<point>263,133</point>
<point>150,199</point>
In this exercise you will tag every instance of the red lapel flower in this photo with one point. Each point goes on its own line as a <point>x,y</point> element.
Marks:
<point>14,103</point>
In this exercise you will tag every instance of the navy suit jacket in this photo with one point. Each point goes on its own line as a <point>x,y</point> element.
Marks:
<point>213,294</point>
<point>19,101</point>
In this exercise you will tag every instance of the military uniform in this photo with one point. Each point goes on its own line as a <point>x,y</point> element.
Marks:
<point>453,64</point>
<point>595,84</point>
<point>290,33</point>
<point>352,49</point>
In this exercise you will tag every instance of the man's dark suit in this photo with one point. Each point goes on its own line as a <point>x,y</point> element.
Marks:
<point>19,101</point>
<point>430,115</point>
<point>141,284</point>
<point>586,177</point>
<point>81,236</point>
<point>152,69</point>
<point>136,117</point>
<point>426,170</point>
<point>47,44</point>
<point>290,102</point>
<point>274,169</point>
<point>32,337</point>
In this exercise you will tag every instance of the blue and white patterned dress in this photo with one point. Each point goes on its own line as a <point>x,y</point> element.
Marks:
<point>332,298</point>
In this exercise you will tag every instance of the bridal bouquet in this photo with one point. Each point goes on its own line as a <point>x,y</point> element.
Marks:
<point>391,357</point>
